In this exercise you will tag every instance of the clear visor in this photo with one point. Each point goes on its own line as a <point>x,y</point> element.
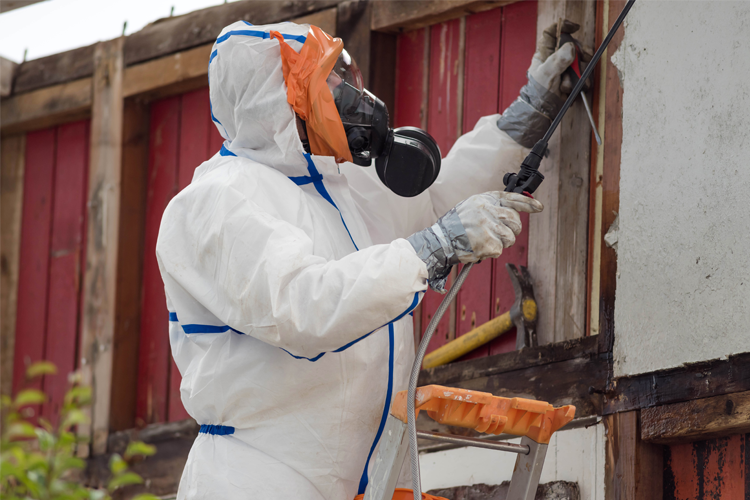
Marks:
<point>354,103</point>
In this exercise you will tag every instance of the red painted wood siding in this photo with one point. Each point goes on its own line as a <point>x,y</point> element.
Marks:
<point>52,256</point>
<point>498,47</point>
<point>703,470</point>
<point>181,138</point>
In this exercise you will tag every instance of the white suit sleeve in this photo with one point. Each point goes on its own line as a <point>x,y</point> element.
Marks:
<point>258,274</point>
<point>475,164</point>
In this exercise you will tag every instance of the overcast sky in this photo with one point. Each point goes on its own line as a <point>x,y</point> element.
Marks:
<point>58,25</point>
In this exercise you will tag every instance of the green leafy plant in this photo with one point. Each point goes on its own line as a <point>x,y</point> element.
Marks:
<point>39,461</point>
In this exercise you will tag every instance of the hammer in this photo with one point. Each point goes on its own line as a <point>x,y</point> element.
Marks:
<point>522,315</point>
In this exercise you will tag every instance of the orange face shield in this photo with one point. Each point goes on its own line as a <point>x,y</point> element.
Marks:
<point>305,75</point>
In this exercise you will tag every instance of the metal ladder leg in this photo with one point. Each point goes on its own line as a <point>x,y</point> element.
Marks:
<point>388,461</point>
<point>527,471</point>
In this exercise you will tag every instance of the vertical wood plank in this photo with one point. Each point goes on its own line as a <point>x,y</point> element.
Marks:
<point>480,90</point>
<point>442,120</point>
<point>154,351</point>
<point>558,236</point>
<point>12,162</point>
<point>353,27</point>
<point>383,69</point>
<point>714,468</point>
<point>516,49</point>
<point>129,264</point>
<point>66,249</point>
<point>33,278</point>
<point>633,469</point>
<point>100,278</point>
<point>194,150</point>
<point>610,181</point>
<point>410,69</point>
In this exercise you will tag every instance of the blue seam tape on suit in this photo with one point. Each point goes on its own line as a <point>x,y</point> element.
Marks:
<point>216,430</point>
<point>194,328</point>
<point>386,407</point>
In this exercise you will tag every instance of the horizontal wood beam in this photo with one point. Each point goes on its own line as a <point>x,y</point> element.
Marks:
<point>166,71</point>
<point>698,419</point>
<point>57,68</point>
<point>46,107</point>
<point>203,26</point>
<point>409,15</point>
<point>694,381</point>
<point>509,361</point>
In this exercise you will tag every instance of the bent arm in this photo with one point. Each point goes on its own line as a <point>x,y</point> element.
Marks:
<point>259,275</point>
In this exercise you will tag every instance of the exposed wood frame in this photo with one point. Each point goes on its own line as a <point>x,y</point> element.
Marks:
<point>12,164</point>
<point>46,107</point>
<point>7,75</point>
<point>558,236</point>
<point>694,381</point>
<point>415,14</point>
<point>698,419</point>
<point>100,274</point>
<point>633,469</point>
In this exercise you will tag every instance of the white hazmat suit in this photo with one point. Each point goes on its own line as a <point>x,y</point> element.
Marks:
<point>289,287</point>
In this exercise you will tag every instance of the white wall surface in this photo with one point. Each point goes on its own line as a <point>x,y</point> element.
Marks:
<point>683,290</point>
<point>576,455</point>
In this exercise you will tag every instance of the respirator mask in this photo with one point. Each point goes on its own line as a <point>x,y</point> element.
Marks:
<point>407,159</point>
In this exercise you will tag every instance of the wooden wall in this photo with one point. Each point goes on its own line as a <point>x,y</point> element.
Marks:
<point>449,75</point>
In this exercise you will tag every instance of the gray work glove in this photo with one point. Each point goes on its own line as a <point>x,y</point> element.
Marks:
<point>478,228</point>
<point>530,115</point>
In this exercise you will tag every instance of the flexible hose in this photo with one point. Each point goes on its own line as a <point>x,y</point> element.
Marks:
<point>416,481</point>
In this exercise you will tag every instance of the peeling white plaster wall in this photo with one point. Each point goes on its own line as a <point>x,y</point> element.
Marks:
<point>576,455</point>
<point>683,287</point>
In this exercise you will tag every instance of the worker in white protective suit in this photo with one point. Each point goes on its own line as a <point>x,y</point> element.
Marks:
<point>290,274</point>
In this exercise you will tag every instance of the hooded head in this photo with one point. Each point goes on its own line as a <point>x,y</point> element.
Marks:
<point>249,97</point>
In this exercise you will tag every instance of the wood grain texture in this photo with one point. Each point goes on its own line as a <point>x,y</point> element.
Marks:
<point>633,469</point>
<point>12,163</point>
<point>66,258</point>
<point>103,201</point>
<point>33,279</point>
<point>46,107</point>
<point>168,70</point>
<point>324,19</point>
<point>694,381</point>
<point>7,74</point>
<point>54,69</point>
<point>154,353</point>
<point>510,361</point>
<point>698,419</point>
<point>175,34</point>
<point>555,490</point>
<point>414,14</point>
<point>558,236</point>
<point>129,264</point>
<point>352,20</point>
<point>714,468</point>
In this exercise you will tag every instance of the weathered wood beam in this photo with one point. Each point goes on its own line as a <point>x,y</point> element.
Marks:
<point>414,14</point>
<point>554,490</point>
<point>171,35</point>
<point>57,68</point>
<point>633,469</point>
<point>167,71</point>
<point>509,361</point>
<point>698,419</point>
<point>100,274</point>
<point>558,236</point>
<point>12,162</point>
<point>694,381</point>
<point>7,74</point>
<point>46,107</point>
<point>324,19</point>
<point>353,27</point>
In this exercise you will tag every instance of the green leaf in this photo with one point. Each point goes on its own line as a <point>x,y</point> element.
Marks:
<point>124,480</point>
<point>65,464</point>
<point>98,495</point>
<point>136,448</point>
<point>78,396</point>
<point>145,496</point>
<point>41,368</point>
<point>74,417</point>
<point>21,430</point>
<point>46,439</point>
<point>29,397</point>
<point>117,465</point>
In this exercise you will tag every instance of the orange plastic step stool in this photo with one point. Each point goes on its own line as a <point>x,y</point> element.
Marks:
<point>534,421</point>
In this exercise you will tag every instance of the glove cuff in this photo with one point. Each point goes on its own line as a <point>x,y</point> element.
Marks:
<point>527,119</point>
<point>440,246</point>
